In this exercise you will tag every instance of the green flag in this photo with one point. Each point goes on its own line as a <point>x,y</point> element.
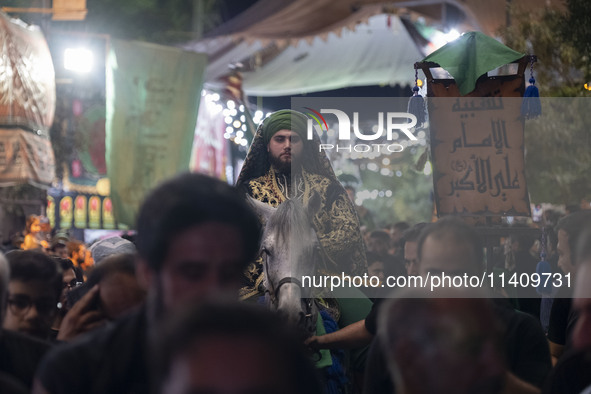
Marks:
<point>153,95</point>
<point>470,56</point>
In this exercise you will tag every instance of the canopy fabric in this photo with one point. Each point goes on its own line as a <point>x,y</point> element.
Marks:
<point>377,52</point>
<point>470,56</point>
<point>373,54</point>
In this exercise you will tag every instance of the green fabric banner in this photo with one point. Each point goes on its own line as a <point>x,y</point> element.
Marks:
<point>153,95</point>
<point>470,56</point>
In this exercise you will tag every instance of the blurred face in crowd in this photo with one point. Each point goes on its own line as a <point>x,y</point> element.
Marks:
<point>285,147</point>
<point>228,365</point>
<point>378,245</point>
<point>564,253</point>
<point>582,304</point>
<point>377,269</point>
<point>31,307</point>
<point>61,251</point>
<point>120,293</point>
<point>445,254</point>
<point>68,282</point>
<point>411,257</point>
<point>202,262</point>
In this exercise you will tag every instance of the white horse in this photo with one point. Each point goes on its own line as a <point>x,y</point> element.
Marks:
<point>290,250</point>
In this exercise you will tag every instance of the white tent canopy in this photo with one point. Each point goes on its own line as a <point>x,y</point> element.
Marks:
<point>372,54</point>
<point>377,52</point>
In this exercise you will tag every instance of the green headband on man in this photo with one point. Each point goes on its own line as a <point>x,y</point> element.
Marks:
<point>285,119</point>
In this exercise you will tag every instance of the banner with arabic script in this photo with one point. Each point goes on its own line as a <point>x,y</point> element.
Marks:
<point>153,94</point>
<point>478,157</point>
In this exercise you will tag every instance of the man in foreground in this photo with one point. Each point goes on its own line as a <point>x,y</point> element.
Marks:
<point>195,236</point>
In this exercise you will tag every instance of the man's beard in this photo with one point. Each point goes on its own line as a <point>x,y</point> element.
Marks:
<point>284,166</point>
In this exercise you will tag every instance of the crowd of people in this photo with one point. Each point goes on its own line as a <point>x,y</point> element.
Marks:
<point>170,311</point>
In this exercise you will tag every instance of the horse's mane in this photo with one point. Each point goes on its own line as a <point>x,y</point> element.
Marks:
<point>290,224</point>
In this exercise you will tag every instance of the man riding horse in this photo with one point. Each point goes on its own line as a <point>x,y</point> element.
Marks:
<point>282,164</point>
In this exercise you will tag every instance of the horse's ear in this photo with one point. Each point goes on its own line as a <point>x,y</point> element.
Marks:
<point>263,210</point>
<point>314,203</point>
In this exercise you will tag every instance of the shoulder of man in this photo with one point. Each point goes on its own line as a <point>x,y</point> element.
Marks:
<point>21,354</point>
<point>85,364</point>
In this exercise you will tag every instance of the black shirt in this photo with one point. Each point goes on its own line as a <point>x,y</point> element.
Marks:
<point>111,360</point>
<point>20,355</point>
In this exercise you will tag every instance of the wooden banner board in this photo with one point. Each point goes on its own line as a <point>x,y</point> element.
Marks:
<point>477,145</point>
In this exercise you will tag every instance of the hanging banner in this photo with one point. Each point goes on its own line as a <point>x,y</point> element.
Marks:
<point>477,147</point>
<point>209,154</point>
<point>25,158</point>
<point>94,212</point>
<point>51,211</point>
<point>27,80</point>
<point>65,212</point>
<point>153,95</point>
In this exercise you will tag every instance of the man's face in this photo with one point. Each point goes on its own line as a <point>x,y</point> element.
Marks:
<point>447,255</point>
<point>31,307</point>
<point>285,147</point>
<point>411,257</point>
<point>202,262</point>
<point>564,255</point>
<point>228,365</point>
<point>61,251</point>
<point>377,269</point>
<point>582,304</point>
<point>68,283</point>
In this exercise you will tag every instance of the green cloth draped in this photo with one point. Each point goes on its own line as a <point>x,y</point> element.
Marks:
<point>470,56</point>
<point>285,119</point>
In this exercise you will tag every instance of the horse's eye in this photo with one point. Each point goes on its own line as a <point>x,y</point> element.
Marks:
<point>266,251</point>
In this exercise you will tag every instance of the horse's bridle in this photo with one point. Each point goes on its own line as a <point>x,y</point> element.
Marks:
<point>273,294</point>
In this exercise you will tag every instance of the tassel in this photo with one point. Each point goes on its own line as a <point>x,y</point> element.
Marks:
<point>416,104</point>
<point>531,107</point>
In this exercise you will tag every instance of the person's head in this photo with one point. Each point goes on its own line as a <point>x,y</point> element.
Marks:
<point>398,230</point>
<point>59,249</point>
<point>119,290</point>
<point>410,237</point>
<point>376,266</point>
<point>111,246</point>
<point>446,345</point>
<point>34,290</point>
<point>284,132</point>
<point>33,225</point>
<point>449,246</point>
<point>69,280</point>
<point>569,228</point>
<point>195,236</point>
<point>581,336</point>
<point>378,242</point>
<point>76,252</point>
<point>231,348</point>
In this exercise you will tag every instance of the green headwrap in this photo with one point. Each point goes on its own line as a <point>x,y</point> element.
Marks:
<point>286,119</point>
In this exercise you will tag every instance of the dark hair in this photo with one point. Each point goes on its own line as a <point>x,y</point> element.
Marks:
<point>202,321</point>
<point>28,265</point>
<point>117,263</point>
<point>573,225</point>
<point>186,201</point>
<point>402,226</point>
<point>412,234</point>
<point>380,234</point>
<point>65,264</point>
<point>459,231</point>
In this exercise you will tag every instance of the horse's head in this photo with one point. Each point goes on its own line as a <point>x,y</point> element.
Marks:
<point>289,249</point>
